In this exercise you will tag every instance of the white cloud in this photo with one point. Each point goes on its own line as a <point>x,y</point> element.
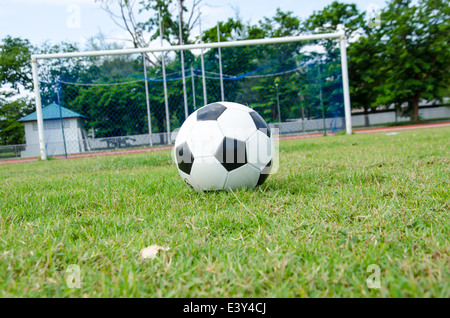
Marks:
<point>6,12</point>
<point>314,48</point>
<point>211,14</point>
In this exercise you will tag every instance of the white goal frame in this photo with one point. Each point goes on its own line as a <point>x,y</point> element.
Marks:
<point>337,35</point>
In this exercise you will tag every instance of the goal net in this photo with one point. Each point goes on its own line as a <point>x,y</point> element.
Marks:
<point>109,100</point>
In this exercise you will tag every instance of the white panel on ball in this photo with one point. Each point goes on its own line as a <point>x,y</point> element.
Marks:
<point>189,180</point>
<point>208,174</point>
<point>185,129</point>
<point>260,149</point>
<point>243,177</point>
<point>204,138</point>
<point>236,124</point>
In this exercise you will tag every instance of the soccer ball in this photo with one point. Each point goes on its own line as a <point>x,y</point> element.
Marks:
<point>223,146</point>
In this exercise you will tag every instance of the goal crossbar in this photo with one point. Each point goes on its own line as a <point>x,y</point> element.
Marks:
<point>186,47</point>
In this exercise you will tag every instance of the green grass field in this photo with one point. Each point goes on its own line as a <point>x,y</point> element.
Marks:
<point>337,205</point>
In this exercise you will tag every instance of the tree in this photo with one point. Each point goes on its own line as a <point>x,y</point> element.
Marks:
<point>416,52</point>
<point>232,28</point>
<point>54,70</point>
<point>280,25</point>
<point>332,16</point>
<point>141,20</point>
<point>15,74</point>
<point>110,110</point>
<point>259,93</point>
<point>11,110</point>
<point>363,51</point>
<point>364,75</point>
<point>15,62</point>
<point>171,15</point>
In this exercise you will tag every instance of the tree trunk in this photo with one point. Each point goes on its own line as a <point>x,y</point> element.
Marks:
<point>303,119</point>
<point>274,112</point>
<point>415,106</point>
<point>366,116</point>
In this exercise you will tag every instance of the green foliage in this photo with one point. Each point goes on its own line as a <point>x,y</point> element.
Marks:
<point>15,61</point>
<point>110,110</point>
<point>416,51</point>
<point>15,73</point>
<point>53,70</point>
<point>261,93</point>
<point>328,19</point>
<point>228,30</point>
<point>169,19</point>
<point>365,78</point>
<point>403,60</point>
<point>282,24</point>
<point>11,110</point>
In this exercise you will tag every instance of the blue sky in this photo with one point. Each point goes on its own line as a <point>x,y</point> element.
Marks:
<point>77,20</point>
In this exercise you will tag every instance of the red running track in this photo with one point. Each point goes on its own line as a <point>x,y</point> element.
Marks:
<point>142,150</point>
<point>373,130</point>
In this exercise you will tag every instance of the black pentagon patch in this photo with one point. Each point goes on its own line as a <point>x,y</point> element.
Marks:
<point>231,153</point>
<point>264,173</point>
<point>260,123</point>
<point>185,159</point>
<point>210,112</point>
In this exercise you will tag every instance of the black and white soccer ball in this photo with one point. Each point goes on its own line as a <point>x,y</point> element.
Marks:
<point>224,146</point>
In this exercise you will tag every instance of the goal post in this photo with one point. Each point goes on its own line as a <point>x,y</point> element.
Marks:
<point>250,76</point>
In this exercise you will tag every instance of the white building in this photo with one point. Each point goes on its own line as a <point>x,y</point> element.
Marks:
<point>59,139</point>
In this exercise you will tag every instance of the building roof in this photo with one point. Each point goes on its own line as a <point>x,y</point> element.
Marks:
<point>52,111</point>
